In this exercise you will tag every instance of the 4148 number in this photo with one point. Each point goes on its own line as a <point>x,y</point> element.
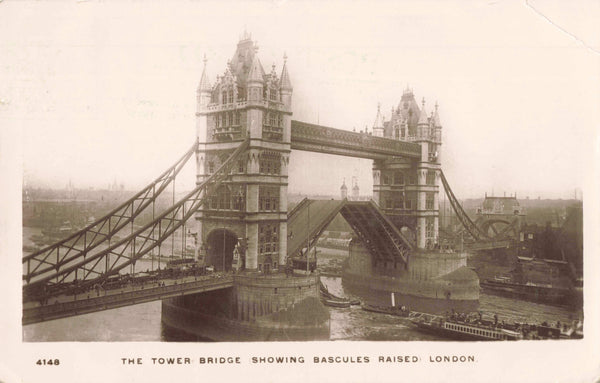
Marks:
<point>48,362</point>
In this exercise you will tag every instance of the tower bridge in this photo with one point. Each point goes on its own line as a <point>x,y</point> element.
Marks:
<point>239,206</point>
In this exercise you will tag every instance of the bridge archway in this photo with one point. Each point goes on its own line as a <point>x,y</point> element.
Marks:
<point>221,243</point>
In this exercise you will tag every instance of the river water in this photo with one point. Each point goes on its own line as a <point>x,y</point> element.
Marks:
<point>142,322</point>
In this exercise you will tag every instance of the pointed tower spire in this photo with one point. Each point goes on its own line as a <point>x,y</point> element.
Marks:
<point>378,124</point>
<point>204,85</point>
<point>284,82</point>
<point>256,73</point>
<point>436,117</point>
<point>423,115</point>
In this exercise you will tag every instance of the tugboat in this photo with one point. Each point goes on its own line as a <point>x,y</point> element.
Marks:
<point>466,327</point>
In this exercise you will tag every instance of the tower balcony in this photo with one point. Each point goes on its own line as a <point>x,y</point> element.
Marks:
<point>272,132</point>
<point>228,133</point>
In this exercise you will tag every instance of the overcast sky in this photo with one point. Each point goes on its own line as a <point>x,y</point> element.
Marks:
<point>105,92</point>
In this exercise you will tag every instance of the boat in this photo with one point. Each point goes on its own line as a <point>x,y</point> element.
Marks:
<point>336,303</point>
<point>537,292</point>
<point>401,311</point>
<point>465,328</point>
<point>328,299</point>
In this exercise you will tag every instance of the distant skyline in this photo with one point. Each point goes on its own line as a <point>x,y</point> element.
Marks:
<point>105,92</point>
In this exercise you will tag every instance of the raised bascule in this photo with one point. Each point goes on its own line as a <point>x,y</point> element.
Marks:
<point>239,209</point>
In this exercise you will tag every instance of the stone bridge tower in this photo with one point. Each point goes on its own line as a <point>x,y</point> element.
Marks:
<point>408,190</point>
<point>250,209</point>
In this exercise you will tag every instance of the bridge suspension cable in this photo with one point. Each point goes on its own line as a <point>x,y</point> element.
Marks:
<point>138,243</point>
<point>464,219</point>
<point>79,244</point>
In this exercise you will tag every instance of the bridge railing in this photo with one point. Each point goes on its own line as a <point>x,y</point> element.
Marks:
<point>99,302</point>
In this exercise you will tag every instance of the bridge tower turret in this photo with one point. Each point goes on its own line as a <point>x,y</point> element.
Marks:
<point>250,208</point>
<point>378,124</point>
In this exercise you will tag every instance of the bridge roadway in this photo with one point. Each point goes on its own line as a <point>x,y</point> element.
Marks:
<point>64,306</point>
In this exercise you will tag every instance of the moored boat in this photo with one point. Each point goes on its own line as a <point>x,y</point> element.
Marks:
<point>401,311</point>
<point>336,303</point>
<point>536,292</point>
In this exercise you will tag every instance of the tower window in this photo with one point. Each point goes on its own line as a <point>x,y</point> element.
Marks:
<point>429,201</point>
<point>268,238</point>
<point>268,198</point>
<point>224,97</point>
<point>398,178</point>
<point>270,163</point>
<point>430,180</point>
<point>386,179</point>
<point>237,121</point>
<point>429,228</point>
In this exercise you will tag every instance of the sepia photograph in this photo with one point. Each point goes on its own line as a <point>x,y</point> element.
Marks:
<point>328,191</point>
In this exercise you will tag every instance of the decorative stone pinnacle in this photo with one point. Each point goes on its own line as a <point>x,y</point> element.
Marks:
<point>284,57</point>
<point>205,59</point>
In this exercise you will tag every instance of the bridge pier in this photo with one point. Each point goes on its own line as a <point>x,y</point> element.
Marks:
<point>256,308</point>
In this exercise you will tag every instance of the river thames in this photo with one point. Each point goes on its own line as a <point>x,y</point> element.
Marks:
<point>143,322</point>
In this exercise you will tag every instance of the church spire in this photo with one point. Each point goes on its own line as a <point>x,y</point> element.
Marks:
<point>285,83</point>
